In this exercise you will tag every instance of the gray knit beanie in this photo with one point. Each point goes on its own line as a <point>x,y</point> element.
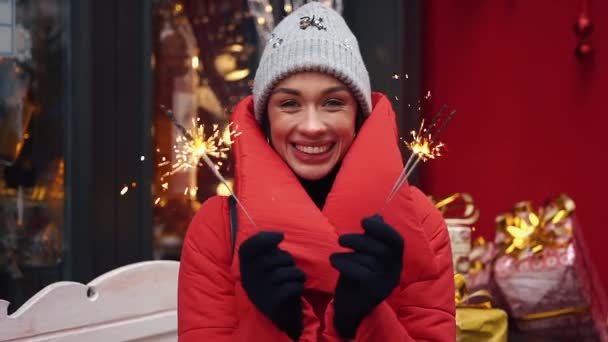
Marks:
<point>312,38</point>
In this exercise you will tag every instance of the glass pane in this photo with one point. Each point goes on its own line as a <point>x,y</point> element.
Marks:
<point>32,109</point>
<point>204,56</point>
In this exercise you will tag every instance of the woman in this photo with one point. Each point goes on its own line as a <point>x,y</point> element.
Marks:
<point>315,162</point>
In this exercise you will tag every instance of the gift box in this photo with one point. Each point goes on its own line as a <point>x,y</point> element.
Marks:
<point>460,215</point>
<point>476,319</point>
<point>544,274</point>
<point>474,325</point>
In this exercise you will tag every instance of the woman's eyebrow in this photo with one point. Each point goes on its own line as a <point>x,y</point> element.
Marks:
<point>334,89</point>
<point>289,91</point>
<point>296,92</point>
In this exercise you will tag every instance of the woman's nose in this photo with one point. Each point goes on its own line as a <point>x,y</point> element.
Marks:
<point>312,123</point>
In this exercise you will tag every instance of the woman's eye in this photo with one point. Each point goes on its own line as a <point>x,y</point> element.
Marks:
<point>288,104</point>
<point>334,103</point>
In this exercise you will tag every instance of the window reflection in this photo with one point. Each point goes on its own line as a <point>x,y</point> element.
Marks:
<point>32,108</point>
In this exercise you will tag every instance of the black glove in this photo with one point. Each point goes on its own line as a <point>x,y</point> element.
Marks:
<point>368,275</point>
<point>273,282</point>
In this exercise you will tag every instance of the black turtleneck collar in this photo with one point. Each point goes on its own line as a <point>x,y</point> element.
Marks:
<point>319,189</point>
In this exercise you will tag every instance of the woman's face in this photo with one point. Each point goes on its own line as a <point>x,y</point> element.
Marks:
<point>312,122</point>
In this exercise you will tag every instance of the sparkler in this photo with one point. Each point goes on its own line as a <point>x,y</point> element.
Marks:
<point>193,145</point>
<point>423,146</point>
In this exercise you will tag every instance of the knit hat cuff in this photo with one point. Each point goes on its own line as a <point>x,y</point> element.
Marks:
<point>338,59</point>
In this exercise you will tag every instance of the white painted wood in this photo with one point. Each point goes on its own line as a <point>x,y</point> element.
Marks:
<point>137,302</point>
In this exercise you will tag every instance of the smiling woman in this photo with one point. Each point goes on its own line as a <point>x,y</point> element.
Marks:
<point>315,162</point>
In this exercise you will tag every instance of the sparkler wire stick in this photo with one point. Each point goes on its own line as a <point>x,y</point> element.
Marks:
<point>223,180</point>
<point>179,126</point>
<point>400,180</point>
<point>444,124</point>
<point>402,177</point>
<point>436,118</point>
<point>409,172</point>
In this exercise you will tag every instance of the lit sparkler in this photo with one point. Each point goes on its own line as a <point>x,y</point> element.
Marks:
<point>193,145</point>
<point>423,146</point>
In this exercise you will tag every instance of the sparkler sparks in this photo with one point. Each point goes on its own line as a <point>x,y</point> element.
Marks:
<point>397,76</point>
<point>193,145</point>
<point>423,146</point>
<point>125,188</point>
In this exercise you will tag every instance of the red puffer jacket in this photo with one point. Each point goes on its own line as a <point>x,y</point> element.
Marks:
<point>212,303</point>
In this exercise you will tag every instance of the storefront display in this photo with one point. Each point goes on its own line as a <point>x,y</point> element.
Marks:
<point>32,109</point>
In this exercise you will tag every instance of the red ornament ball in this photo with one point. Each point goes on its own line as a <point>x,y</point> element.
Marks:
<point>583,27</point>
<point>583,49</point>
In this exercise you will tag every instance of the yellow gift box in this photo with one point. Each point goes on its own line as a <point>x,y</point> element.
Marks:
<point>476,320</point>
<point>475,324</point>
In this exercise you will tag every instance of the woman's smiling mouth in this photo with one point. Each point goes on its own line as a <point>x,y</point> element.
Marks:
<point>313,149</point>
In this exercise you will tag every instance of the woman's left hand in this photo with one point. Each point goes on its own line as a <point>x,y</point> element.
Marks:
<point>368,275</point>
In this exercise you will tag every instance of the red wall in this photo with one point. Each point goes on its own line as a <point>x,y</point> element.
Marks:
<point>532,119</point>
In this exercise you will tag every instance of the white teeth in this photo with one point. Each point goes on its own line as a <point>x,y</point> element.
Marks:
<point>313,149</point>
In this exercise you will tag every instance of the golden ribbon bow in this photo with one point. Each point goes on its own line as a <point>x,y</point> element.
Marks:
<point>480,299</point>
<point>525,231</point>
<point>451,204</point>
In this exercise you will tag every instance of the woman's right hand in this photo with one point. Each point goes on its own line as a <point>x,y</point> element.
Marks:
<point>368,274</point>
<point>272,281</point>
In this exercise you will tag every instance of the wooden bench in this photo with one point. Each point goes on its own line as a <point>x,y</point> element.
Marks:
<point>137,302</point>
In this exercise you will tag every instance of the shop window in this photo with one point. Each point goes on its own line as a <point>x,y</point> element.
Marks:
<point>32,113</point>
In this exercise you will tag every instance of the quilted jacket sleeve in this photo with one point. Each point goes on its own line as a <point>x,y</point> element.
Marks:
<point>425,309</point>
<point>209,308</point>
<point>206,299</point>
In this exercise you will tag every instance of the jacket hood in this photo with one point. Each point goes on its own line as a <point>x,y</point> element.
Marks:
<point>275,200</point>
